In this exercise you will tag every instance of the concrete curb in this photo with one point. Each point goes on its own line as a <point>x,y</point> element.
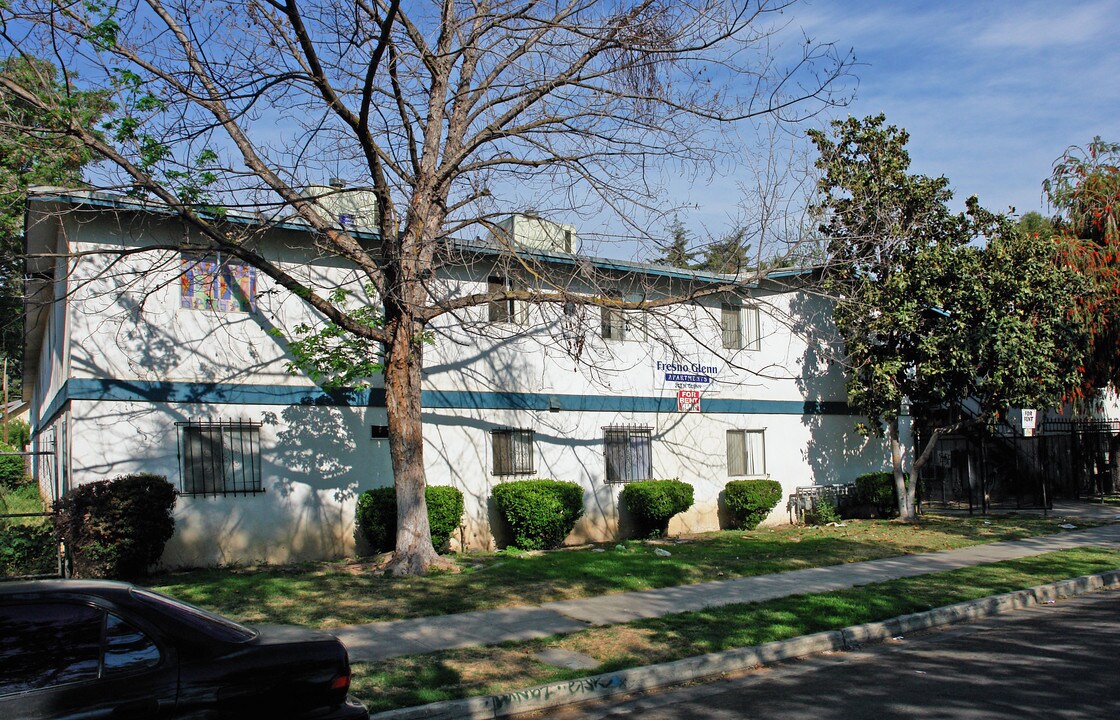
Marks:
<point>570,692</point>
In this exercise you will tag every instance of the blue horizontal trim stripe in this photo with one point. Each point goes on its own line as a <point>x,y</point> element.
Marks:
<point>241,394</point>
<point>57,404</point>
<point>233,393</point>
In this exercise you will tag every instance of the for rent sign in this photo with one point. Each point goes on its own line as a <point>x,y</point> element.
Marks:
<point>688,401</point>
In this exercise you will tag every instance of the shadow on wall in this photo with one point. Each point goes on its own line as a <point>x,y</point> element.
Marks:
<point>458,453</point>
<point>265,527</point>
<point>836,452</point>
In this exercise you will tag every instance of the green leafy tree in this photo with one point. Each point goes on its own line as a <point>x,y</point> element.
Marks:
<point>1036,225</point>
<point>33,152</point>
<point>931,315</point>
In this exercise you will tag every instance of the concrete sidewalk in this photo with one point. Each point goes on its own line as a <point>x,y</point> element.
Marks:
<point>379,641</point>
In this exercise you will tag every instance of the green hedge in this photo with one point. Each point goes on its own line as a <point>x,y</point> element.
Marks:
<point>28,550</point>
<point>376,516</point>
<point>877,488</point>
<point>116,528</point>
<point>540,513</point>
<point>750,501</point>
<point>652,503</point>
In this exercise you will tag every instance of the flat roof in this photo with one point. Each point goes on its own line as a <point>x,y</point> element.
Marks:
<point>100,199</point>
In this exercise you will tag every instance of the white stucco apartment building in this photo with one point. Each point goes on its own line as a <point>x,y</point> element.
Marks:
<point>175,363</point>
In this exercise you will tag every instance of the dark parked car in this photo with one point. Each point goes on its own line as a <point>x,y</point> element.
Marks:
<point>93,649</point>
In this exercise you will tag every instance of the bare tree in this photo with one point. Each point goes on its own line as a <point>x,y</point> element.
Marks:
<point>452,112</point>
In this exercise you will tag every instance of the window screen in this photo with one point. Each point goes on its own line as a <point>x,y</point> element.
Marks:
<point>746,453</point>
<point>752,338</point>
<point>731,317</point>
<point>502,310</point>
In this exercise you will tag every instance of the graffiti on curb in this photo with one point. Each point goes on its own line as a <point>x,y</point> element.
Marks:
<point>574,688</point>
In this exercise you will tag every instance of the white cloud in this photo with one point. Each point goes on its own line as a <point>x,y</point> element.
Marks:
<point>1045,26</point>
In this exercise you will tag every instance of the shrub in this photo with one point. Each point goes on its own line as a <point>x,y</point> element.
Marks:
<point>822,513</point>
<point>376,515</point>
<point>116,528</point>
<point>653,503</point>
<point>540,513</point>
<point>19,433</point>
<point>877,488</point>
<point>28,550</point>
<point>13,468</point>
<point>750,501</point>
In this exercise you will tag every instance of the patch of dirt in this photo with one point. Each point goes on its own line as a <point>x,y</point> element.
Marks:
<point>606,643</point>
<point>367,567</point>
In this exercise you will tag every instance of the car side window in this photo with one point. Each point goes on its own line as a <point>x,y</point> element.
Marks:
<point>48,644</point>
<point>126,648</point>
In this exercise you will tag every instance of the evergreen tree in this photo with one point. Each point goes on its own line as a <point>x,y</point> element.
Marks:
<point>729,255</point>
<point>676,252</point>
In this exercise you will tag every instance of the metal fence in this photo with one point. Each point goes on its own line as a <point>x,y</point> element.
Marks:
<point>29,545</point>
<point>1000,472</point>
<point>805,500</point>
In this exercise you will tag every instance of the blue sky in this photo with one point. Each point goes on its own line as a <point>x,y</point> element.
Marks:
<point>992,91</point>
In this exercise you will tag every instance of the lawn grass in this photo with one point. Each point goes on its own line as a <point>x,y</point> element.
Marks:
<point>420,679</point>
<point>331,594</point>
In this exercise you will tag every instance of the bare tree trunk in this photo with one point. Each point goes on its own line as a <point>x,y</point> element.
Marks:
<point>414,551</point>
<point>907,491</point>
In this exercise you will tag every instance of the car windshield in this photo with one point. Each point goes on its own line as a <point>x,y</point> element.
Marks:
<point>214,626</point>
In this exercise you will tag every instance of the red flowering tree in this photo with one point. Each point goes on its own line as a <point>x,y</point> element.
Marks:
<point>1085,190</point>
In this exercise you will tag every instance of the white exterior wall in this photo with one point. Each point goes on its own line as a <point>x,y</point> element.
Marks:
<point>128,327</point>
<point>315,461</point>
<point>773,383</point>
<point>139,363</point>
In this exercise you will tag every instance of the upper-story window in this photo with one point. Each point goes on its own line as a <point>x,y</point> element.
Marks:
<point>217,282</point>
<point>622,324</point>
<point>502,310</point>
<point>740,327</point>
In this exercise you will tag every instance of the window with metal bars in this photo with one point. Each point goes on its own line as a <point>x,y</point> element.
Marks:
<point>512,451</point>
<point>629,453</point>
<point>746,453</point>
<point>220,457</point>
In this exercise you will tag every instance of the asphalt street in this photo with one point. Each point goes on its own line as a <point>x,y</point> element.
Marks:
<point>1050,661</point>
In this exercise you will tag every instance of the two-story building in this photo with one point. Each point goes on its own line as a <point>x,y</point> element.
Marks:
<point>143,357</point>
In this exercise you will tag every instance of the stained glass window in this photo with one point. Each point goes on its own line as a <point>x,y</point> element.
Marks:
<point>216,282</point>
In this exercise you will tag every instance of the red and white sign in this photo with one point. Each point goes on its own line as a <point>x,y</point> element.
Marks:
<point>688,401</point>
